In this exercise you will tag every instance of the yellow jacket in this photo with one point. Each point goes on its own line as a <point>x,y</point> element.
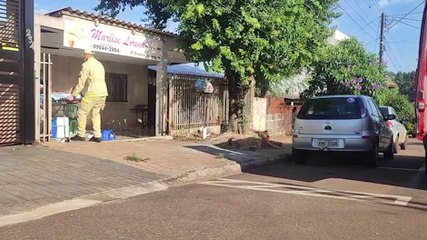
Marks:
<point>92,76</point>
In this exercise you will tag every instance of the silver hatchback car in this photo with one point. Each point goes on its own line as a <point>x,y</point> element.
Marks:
<point>342,123</point>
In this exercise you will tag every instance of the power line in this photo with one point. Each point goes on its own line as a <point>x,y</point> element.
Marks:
<point>375,4</point>
<point>409,25</point>
<point>411,19</point>
<point>406,15</point>
<point>378,39</point>
<point>405,43</point>
<point>366,24</point>
<point>404,40</point>
<point>416,13</point>
<point>370,23</point>
<point>392,63</point>
<point>393,56</point>
<point>356,22</point>
<point>381,51</point>
<point>365,14</point>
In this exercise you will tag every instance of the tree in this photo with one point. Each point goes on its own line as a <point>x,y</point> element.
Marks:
<point>157,14</point>
<point>405,81</point>
<point>346,68</point>
<point>292,86</point>
<point>254,41</point>
<point>400,103</point>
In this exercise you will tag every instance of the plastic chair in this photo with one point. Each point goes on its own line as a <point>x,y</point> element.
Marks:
<point>70,111</point>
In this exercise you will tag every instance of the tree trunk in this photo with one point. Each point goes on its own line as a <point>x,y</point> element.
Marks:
<point>241,100</point>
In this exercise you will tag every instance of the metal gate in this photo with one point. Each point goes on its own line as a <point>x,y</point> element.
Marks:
<point>189,109</point>
<point>16,72</point>
<point>45,110</point>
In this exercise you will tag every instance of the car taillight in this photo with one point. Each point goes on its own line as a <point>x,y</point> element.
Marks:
<point>366,137</point>
<point>389,124</point>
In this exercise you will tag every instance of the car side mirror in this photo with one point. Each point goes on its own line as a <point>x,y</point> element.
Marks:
<point>390,117</point>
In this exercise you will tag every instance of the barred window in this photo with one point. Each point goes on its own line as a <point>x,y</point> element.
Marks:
<point>117,85</point>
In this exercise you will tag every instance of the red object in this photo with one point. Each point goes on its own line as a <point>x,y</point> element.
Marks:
<point>389,124</point>
<point>420,76</point>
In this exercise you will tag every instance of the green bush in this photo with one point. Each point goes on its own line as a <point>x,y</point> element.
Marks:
<point>400,103</point>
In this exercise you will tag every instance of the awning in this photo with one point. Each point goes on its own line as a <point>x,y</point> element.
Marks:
<point>188,69</point>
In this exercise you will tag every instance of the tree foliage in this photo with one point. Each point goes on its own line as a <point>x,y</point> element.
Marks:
<point>268,37</point>
<point>346,68</point>
<point>251,40</point>
<point>405,81</point>
<point>156,15</point>
<point>400,103</point>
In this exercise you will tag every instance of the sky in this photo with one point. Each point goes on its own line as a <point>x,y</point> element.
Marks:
<point>359,18</point>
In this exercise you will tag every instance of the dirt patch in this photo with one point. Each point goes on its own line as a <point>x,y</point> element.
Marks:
<point>252,141</point>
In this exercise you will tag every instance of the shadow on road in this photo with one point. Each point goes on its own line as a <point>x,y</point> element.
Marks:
<point>403,170</point>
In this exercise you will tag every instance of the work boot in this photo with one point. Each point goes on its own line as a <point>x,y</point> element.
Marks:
<point>77,138</point>
<point>95,139</point>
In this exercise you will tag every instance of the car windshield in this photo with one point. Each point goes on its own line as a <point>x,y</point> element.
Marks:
<point>331,108</point>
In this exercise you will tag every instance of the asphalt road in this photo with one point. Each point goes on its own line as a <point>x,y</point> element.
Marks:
<point>330,198</point>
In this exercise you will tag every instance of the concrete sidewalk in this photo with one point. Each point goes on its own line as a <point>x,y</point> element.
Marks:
<point>41,180</point>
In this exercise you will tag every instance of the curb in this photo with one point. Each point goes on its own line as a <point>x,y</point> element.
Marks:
<point>81,202</point>
<point>192,176</point>
<point>204,174</point>
<point>145,139</point>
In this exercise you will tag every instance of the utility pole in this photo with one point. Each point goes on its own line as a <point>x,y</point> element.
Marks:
<point>382,38</point>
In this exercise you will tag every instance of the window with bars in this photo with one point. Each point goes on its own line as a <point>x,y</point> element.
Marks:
<point>117,85</point>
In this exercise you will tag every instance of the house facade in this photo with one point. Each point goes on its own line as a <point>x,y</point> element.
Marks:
<point>126,51</point>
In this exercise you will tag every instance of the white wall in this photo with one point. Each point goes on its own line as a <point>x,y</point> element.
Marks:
<point>65,75</point>
<point>260,114</point>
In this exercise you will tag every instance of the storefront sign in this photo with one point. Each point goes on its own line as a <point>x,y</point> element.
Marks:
<point>103,38</point>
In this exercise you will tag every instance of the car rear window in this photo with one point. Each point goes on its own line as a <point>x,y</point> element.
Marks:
<point>384,111</point>
<point>331,108</point>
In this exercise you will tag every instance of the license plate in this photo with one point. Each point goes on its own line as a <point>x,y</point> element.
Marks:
<point>327,143</point>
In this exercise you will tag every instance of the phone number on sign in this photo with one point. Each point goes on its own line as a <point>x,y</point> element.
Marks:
<point>106,48</point>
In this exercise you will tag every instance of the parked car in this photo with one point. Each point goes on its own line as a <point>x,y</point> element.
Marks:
<point>342,123</point>
<point>400,134</point>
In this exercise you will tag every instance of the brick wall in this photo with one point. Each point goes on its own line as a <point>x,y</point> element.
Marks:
<point>279,116</point>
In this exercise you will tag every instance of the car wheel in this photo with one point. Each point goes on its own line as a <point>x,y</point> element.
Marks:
<point>298,156</point>
<point>396,145</point>
<point>404,144</point>
<point>389,152</point>
<point>372,156</point>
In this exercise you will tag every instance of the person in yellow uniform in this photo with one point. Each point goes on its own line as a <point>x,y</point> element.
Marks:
<point>92,78</point>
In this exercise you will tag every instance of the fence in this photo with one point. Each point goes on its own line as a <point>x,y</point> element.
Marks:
<point>190,109</point>
<point>16,72</point>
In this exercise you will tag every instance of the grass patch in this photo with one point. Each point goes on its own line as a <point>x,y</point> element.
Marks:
<point>220,156</point>
<point>136,158</point>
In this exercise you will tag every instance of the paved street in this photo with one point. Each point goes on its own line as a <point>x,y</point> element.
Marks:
<point>37,176</point>
<point>42,180</point>
<point>326,199</point>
